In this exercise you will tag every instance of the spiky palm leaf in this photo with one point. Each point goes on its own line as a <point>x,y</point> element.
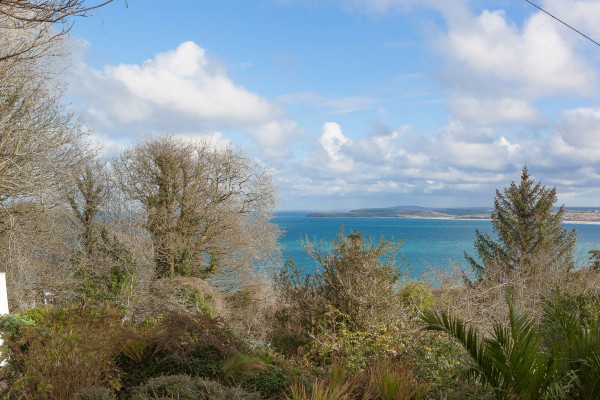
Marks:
<point>511,361</point>
<point>576,352</point>
<point>469,339</point>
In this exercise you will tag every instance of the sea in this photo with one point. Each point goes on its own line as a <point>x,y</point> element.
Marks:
<point>427,243</point>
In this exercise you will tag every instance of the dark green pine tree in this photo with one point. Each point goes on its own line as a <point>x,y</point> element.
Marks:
<point>530,235</point>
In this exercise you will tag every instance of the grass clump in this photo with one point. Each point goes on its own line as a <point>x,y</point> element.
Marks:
<point>185,387</point>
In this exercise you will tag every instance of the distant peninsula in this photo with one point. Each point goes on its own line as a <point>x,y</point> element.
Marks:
<point>572,214</point>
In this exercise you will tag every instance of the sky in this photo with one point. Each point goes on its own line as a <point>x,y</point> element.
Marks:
<point>355,103</point>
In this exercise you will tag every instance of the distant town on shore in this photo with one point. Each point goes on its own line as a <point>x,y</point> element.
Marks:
<point>572,214</point>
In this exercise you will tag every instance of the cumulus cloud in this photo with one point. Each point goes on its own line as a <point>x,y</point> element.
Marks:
<point>582,14</point>
<point>496,69</point>
<point>331,151</point>
<point>185,81</point>
<point>178,91</point>
<point>392,162</point>
<point>535,60</point>
<point>458,165</point>
<point>496,72</point>
<point>474,150</point>
<point>493,111</point>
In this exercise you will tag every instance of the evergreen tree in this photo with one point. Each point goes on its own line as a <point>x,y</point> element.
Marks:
<point>530,234</point>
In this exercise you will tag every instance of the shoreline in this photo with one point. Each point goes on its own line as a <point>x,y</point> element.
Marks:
<point>574,222</point>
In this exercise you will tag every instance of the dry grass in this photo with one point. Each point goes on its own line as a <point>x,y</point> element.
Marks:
<point>484,302</point>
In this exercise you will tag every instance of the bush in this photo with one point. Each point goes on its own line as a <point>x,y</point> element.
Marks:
<point>417,296</point>
<point>177,343</point>
<point>254,372</point>
<point>334,341</point>
<point>66,350</point>
<point>96,393</point>
<point>515,361</point>
<point>242,366</point>
<point>358,278</point>
<point>185,387</point>
<point>271,383</point>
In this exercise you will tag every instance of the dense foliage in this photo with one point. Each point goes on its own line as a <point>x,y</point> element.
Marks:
<point>529,233</point>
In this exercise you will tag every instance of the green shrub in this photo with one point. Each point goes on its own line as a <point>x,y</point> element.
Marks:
<point>356,276</point>
<point>12,327</point>
<point>254,372</point>
<point>242,366</point>
<point>270,383</point>
<point>66,350</point>
<point>583,304</point>
<point>177,343</point>
<point>185,387</point>
<point>417,296</point>
<point>333,340</point>
<point>436,359</point>
<point>96,393</point>
<point>515,361</point>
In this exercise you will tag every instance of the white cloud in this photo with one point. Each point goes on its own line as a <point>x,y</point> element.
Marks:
<point>533,61</point>
<point>478,150</point>
<point>583,15</point>
<point>273,136</point>
<point>178,91</point>
<point>393,163</point>
<point>492,111</point>
<point>332,142</point>
<point>495,69</point>
<point>185,81</point>
<point>581,128</point>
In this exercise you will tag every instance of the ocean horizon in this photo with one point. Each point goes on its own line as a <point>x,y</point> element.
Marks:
<point>428,243</point>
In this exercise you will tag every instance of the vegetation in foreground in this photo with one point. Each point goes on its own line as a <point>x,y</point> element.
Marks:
<point>153,272</point>
<point>356,328</point>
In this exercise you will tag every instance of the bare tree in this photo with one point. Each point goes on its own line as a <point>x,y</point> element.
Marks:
<point>31,29</point>
<point>207,209</point>
<point>37,137</point>
<point>35,251</point>
<point>39,142</point>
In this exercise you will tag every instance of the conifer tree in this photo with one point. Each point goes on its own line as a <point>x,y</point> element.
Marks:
<point>530,235</point>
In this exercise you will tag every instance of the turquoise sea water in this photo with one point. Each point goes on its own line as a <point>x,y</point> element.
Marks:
<point>427,242</point>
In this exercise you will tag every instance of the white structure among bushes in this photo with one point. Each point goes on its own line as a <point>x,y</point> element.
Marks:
<point>3,301</point>
<point>3,294</point>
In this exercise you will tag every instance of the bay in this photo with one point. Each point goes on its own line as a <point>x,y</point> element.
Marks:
<point>428,243</point>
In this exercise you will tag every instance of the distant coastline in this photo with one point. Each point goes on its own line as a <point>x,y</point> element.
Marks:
<point>572,215</point>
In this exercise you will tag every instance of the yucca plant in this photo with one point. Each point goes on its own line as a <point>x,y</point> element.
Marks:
<point>517,365</point>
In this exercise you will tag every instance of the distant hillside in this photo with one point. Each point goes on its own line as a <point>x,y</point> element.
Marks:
<point>577,214</point>
<point>409,212</point>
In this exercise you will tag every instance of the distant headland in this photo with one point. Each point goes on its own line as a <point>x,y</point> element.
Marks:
<point>572,214</point>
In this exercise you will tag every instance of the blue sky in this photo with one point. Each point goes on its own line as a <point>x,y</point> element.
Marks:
<point>356,103</point>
